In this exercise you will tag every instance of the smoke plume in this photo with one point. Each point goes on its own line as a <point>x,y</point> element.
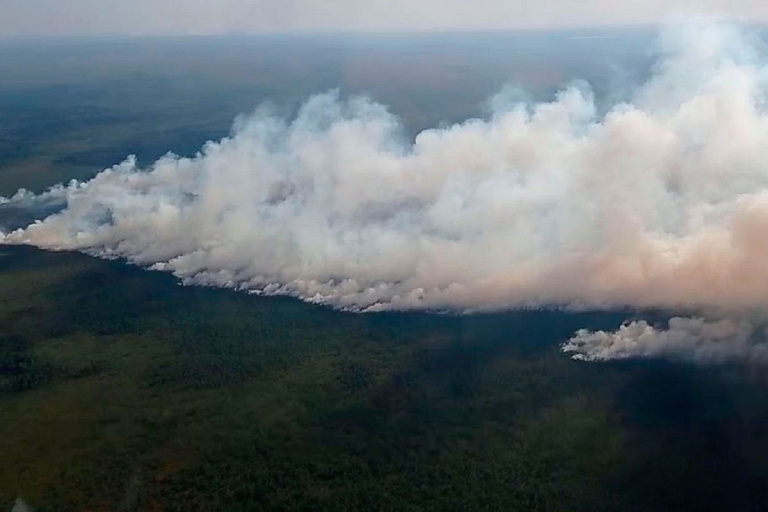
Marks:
<point>658,202</point>
<point>691,339</point>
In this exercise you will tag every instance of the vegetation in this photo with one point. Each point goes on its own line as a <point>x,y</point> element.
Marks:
<point>121,390</point>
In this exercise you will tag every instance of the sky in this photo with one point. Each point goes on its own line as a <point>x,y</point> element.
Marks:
<point>205,17</point>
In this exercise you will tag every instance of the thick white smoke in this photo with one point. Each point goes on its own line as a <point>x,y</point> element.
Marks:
<point>660,202</point>
<point>692,339</point>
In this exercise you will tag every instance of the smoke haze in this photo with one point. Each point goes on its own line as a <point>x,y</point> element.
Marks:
<point>659,202</point>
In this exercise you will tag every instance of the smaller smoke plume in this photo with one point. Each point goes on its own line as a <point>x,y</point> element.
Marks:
<point>20,506</point>
<point>688,339</point>
<point>24,207</point>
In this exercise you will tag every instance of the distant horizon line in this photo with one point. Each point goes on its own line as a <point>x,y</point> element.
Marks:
<point>347,33</point>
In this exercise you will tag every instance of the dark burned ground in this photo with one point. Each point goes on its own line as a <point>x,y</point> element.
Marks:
<point>120,390</point>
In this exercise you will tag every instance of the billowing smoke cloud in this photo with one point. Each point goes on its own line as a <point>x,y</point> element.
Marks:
<point>691,339</point>
<point>660,202</point>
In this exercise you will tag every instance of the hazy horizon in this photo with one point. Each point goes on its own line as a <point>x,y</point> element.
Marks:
<point>172,17</point>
